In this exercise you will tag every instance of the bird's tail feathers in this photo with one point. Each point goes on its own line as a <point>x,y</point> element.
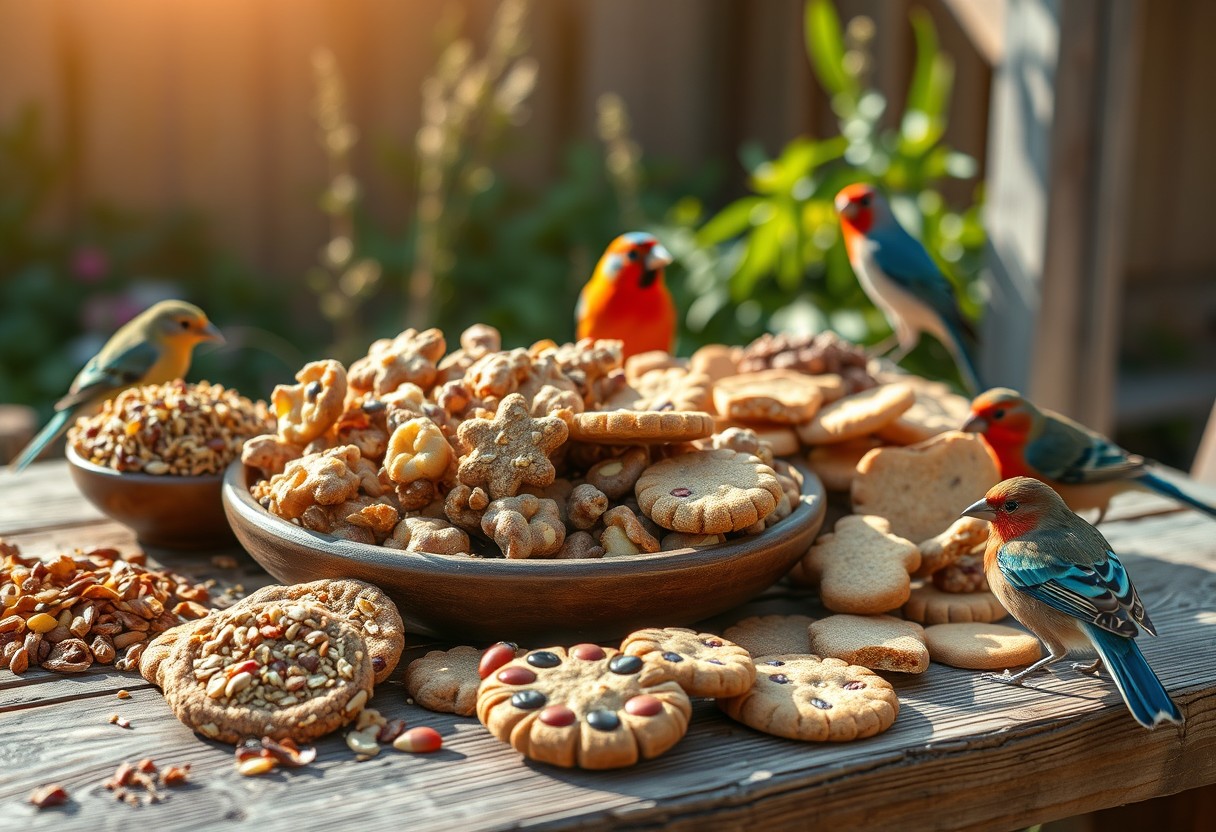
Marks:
<point>1140,688</point>
<point>1168,489</point>
<point>49,433</point>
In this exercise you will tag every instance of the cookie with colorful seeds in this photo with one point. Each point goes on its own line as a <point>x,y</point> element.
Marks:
<point>582,707</point>
<point>702,663</point>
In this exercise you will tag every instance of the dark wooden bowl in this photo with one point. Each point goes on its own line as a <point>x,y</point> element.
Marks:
<point>164,511</point>
<point>479,601</point>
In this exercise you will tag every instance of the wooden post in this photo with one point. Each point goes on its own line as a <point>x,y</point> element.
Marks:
<point>1061,142</point>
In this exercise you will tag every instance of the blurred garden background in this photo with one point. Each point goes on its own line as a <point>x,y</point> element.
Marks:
<point>320,173</point>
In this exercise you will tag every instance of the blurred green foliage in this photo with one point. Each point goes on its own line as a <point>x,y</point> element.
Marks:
<point>773,259</point>
<point>66,286</point>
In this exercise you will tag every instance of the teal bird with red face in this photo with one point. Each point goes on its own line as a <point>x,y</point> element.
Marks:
<point>902,280</point>
<point>1057,575</point>
<point>1086,468</point>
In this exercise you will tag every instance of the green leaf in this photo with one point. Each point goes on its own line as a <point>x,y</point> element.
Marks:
<point>825,47</point>
<point>924,118</point>
<point>730,222</point>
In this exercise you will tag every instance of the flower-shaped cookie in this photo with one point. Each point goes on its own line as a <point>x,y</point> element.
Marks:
<point>510,450</point>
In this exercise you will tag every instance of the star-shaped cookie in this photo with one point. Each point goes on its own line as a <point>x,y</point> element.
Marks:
<point>510,450</point>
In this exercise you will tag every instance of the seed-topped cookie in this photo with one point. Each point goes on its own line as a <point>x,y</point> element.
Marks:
<point>808,698</point>
<point>364,606</point>
<point>282,670</point>
<point>708,492</point>
<point>584,707</point>
<point>703,664</point>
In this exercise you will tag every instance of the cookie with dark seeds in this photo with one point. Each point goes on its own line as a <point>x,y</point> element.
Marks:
<point>821,700</point>
<point>703,664</point>
<point>708,492</point>
<point>585,707</point>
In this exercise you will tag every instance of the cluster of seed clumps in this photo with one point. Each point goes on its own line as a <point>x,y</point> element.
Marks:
<point>179,429</point>
<point>274,657</point>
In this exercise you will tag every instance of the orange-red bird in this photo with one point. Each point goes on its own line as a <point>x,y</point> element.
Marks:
<point>626,297</point>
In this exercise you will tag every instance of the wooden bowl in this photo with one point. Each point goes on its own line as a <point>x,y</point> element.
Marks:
<point>479,601</point>
<point>165,511</point>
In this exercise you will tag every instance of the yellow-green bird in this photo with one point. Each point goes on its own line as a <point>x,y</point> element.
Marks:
<point>152,348</point>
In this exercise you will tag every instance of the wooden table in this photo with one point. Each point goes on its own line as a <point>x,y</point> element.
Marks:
<point>964,753</point>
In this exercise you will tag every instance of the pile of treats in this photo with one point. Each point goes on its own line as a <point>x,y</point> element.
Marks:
<point>554,451</point>
<point>67,613</point>
<point>174,429</point>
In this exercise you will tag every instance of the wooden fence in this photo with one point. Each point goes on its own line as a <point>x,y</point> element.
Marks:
<point>207,104</point>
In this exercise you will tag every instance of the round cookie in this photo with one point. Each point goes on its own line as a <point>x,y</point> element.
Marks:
<point>929,605</point>
<point>290,670</point>
<point>708,492</point>
<point>771,635</point>
<point>445,681</point>
<point>632,427</point>
<point>879,642</point>
<point>585,707</point>
<point>809,698</point>
<point>361,604</point>
<point>857,415</point>
<point>702,663</point>
<point>979,646</point>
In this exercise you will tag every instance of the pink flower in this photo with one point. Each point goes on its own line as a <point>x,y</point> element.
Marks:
<point>90,264</point>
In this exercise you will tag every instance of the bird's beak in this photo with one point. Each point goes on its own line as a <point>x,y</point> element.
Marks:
<point>658,257</point>
<point>975,424</point>
<point>211,332</point>
<point>980,509</point>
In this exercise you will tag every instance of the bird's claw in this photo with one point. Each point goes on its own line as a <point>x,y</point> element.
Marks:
<point>1005,678</point>
<point>1093,668</point>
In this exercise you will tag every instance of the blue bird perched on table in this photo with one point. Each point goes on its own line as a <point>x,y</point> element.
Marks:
<point>152,348</point>
<point>902,280</point>
<point>1086,468</point>
<point>1057,575</point>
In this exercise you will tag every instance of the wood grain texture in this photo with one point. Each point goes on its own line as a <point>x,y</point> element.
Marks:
<point>965,752</point>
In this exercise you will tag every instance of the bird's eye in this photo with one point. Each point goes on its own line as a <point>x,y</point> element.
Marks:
<point>864,201</point>
<point>999,413</point>
<point>184,323</point>
<point>1011,506</point>
<point>633,254</point>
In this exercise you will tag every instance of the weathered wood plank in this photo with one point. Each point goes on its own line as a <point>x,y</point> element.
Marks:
<point>964,752</point>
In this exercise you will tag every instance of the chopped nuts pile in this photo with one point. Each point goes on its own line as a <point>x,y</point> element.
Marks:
<point>67,613</point>
<point>140,783</point>
<point>824,352</point>
<point>274,657</point>
<point>176,428</point>
<point>255,757</point>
